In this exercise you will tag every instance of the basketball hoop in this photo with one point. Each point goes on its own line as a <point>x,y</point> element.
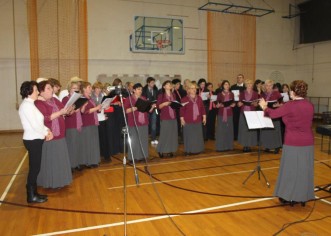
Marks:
<point>161,44</point>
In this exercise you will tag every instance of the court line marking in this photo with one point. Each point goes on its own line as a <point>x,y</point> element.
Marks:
<point>1,148</point>
<point>181,161</point>
<point>3,196</point>
<point>187,160</point>
<point>200,177</point>
<point>153,218</point>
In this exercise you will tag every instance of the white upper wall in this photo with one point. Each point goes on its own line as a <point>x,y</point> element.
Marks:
<point>110,22</point>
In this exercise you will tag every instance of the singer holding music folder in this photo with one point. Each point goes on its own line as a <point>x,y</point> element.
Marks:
<point>224,131</point>
<point>248,101</point>
<point>295,181</point>
<point>74,125</point>
<point>271,138</point>
<point>191,116</point>
<point>168,140</point>
<point>137,133</point>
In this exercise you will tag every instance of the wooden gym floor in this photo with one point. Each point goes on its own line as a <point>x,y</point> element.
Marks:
<point>202,195</point>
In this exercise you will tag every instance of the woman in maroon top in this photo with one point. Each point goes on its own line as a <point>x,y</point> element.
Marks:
<point>296,174</point>
<point>191,116</point>
<point>248,101</point>
<point>272,138</point>
<point>224,131</point>
<point>90,134</point>
<point>168,140</point>
<point>74,125</point>
<point>55,170</point>
<point>138,125</point>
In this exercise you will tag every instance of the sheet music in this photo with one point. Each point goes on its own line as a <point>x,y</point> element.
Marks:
<point>204,96</point>
<point>286,98</point>
<point>73,98</point>
<point>106,103</point>
<point>236,94</point>
<point>257,120</point>
<point>213,98</point>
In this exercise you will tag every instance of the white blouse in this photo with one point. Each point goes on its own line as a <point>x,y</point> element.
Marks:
<point>32,120</point>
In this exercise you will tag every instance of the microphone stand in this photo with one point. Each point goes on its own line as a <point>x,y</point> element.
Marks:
<point>125,132</point>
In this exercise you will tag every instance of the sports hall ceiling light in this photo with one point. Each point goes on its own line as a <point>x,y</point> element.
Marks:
<point>241,7</point>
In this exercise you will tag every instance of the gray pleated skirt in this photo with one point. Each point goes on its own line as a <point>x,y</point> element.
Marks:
<point>168,140</point>
<point>90,146</point>
<point>224,134</point>
<point>193,138</point>
<point>246,137</point>
<point>272,138</point>
<point>136,148</point>
<point>74,143</point>
<point>296,174</point>
<point>55,170</point>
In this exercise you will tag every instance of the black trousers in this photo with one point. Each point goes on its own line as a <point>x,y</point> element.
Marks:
<point>34,148</point>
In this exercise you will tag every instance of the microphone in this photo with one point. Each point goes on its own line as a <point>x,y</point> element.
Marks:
<point>111,88</point>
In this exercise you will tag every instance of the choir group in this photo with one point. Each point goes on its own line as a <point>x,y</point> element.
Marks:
<point>190,113</point>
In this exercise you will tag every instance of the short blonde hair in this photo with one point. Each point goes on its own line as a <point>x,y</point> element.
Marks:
<point>97,85</point>
<point>249,81</point>
<point>69,85</point>
<point>192,85</point>
<point>269,81</point>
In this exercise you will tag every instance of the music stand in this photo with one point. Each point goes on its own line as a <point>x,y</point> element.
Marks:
<point>258,168</point>
<point>256,120</point>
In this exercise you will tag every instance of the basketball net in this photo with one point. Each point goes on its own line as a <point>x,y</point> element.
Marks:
<point>162,45</point>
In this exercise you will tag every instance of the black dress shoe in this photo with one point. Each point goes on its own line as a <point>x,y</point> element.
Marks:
<point>160,155</point>
<point>79,168</point>
<point>187,153</point>
<point>267,150</point>
<point>276,151</point>
<point>283,201</point>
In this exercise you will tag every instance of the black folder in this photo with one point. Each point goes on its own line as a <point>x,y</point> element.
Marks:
<point>177,105</point>
<point>271,103</point>
<point>248,103</point>
<point>144,105</point>
<point>226,103</point>
<point>80,102</point>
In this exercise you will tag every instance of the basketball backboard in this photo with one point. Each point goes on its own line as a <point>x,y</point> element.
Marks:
<point>157,35</point>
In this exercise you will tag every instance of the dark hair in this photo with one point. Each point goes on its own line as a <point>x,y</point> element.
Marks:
<point>176,81</point>
<point>278,86</point>
<point>42,85</point>
<point>164,83</point>
<point>201,81</point>
<point>116,82</point>
<point>223,82</point>
<point>137,85</point>
<point>207,84</point>
<point>285,85</point>
<point>27,88</point>
<point>299,87</point>
<point>256,83</point>
<point>149,79</point>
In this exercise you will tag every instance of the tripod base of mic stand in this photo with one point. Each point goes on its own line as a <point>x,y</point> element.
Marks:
<point>259,171</point>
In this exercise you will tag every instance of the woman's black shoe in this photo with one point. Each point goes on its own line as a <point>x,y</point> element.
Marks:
<point>247,149</point>
<point>283,201</point>
<point>276,151</point>
<point>160,155</point>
